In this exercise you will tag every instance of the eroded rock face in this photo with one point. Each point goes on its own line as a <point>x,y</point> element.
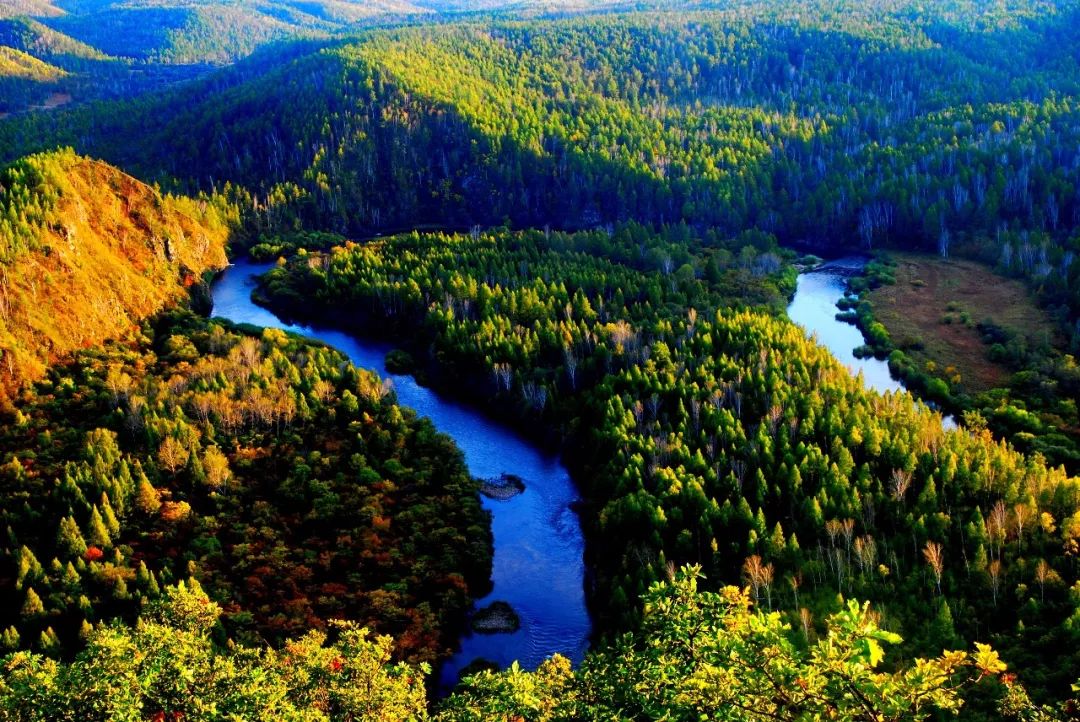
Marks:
<point>497,617</point>
<point>502,487</point>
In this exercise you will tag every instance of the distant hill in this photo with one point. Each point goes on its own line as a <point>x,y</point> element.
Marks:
<point>221,31</point>
<point>37,39</point>
<point>37,8</point>
<point>122,49</point>
<point>210,31</point>
<point>88,251</point>
<point>16,64</point>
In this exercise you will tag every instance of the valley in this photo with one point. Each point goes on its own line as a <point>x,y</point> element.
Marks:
<point>931,305</point>
<point>418,360</point>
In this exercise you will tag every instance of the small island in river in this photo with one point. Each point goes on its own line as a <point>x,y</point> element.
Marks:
<point>502,487</point>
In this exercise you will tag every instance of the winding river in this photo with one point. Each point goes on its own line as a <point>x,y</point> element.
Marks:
<point>538,565</point>
<point>814,308</point>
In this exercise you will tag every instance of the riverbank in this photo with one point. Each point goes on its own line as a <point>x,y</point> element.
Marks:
<point>814,307</point>
<point>719,435</point>
<point>462,386</point>
<point>538,565</point>
<point>968,339</point>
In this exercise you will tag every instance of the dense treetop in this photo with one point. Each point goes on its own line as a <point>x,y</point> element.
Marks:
<point>283,478</point>
<point>663,161</point>
<point>719,435</point>
<point>947,128</point>
<point>698,656</point>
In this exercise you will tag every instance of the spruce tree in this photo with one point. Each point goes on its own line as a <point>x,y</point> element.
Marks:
<point>97,532</point>
<point>9,640</point>
<point>147,498</point>
<point>69,538</point>
<point>111,522</point>
<point>32,606</point>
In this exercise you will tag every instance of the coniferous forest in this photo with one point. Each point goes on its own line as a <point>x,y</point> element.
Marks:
<point>582,224</point>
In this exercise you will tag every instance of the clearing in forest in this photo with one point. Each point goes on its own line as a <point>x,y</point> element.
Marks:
<point>935,308</point>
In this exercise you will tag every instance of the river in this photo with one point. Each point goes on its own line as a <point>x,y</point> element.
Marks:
<point>814,308</point>
<point>539,565</point>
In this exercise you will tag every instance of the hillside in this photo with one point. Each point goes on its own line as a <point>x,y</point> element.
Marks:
<point>738,118</point>
<point>24,79</point>
<point>181,34</point>
<point>868,127</point>
<point>87,253</point>
<point>42,8</point>
<point>211,31</point>
<point>584,226</point>
<point>17,64</point>
<point>707,433</point>
<point>34,38</point>
<point>284,479</point>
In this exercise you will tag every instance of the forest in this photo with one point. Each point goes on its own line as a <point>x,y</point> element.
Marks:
<point>147,251</point>
<point>587,223</point>
<point>827,124</point>
<point>1030,397</point>
<point>288,483</point>
<point>709,431</point>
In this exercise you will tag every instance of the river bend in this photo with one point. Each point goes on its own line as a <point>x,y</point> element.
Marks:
<point>538,567</point>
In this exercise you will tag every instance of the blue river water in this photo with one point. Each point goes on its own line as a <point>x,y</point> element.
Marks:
<point>539,566</point>
<point>814,308</point>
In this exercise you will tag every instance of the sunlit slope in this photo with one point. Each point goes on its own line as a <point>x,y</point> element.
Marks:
<point>88,251</point>
<point>837,128</point>
<point>18,65</point>
<point>15,8</point>
<point>37,39</point>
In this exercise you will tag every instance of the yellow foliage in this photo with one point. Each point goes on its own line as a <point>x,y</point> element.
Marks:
<point>105,252</point>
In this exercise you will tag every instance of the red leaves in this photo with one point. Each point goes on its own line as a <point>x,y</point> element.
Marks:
<point>162,716</point>
<point>336,664</point>
<point>93,554</point>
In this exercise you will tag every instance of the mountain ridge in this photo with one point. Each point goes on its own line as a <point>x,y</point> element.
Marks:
<point>91,251</point>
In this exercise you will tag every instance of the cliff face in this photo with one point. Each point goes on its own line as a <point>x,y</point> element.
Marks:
<point>86,252</point>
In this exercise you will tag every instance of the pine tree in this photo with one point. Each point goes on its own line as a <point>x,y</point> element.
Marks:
<point>980,560</point>
<point>111,522</point>
<point>147,498</point>
<point>29,567</point>
<point>71,577</point>
<point>69,539</point>
<point>943,631</point>
<point>49,642</point>
<point>9,640</point>
<point>776,540</point>
<point>32,606</point>
<point>97,532</point>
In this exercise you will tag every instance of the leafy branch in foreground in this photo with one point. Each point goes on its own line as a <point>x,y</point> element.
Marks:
<point>710,656</point>
<point>698,656</point>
